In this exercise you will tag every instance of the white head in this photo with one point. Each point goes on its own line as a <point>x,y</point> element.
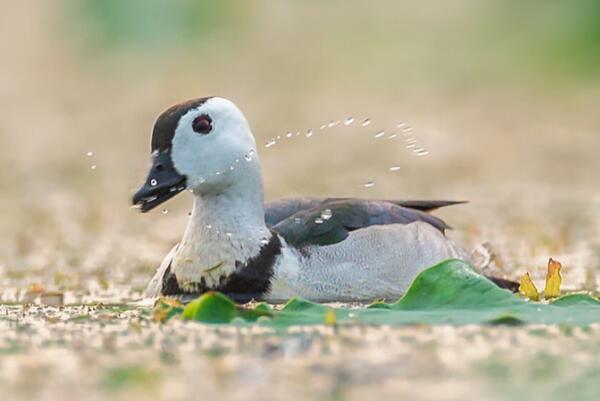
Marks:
<point>204,145</point>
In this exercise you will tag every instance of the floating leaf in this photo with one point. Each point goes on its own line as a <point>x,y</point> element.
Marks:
<point>212,307</point>
<point>553,279</point>
<point>528,289</point>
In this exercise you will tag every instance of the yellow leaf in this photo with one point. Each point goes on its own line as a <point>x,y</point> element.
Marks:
<point>527,288</point>
<point>330,317</point>
<point>553,279</point>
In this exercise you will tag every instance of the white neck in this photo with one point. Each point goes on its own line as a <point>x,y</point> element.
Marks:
<point>224,228</point>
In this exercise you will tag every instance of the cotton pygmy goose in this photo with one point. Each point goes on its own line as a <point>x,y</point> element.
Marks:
<point>322,249</point>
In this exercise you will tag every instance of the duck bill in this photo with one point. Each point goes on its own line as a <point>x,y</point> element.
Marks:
<point>163,183</point>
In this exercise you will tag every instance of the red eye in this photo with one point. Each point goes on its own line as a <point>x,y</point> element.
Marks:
<point>202,124</point>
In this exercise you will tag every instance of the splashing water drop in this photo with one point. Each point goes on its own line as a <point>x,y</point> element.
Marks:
<point>289,134</point>
<point>209,226</point>
<point>392,136</point>
<point>264,241</point>
<point>366,122</point>
<point>322,127</point>
<point>379,134</point>
<point>297,220</point>
<point>369,184</point>
<point>90,153</point>
<point>271,142</point>
<point>165,211</point>
<point>332,123</point>
<point>228,234</point>
<point>348,120</point>
<point>201,180</point>
<point>421,152</point>
<point>278,137</point>
<point>319,220</point>
<point>309,133</point>
<point>394,168</point>
<point>231,168</point>
<point>93,167</point>
<point>153,182</point>
<point>326,214</point>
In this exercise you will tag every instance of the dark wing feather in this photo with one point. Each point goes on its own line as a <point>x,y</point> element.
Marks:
<point>279,210</point>
<point>310,226</point>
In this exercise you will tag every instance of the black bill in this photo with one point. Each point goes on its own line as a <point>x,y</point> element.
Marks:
<point>163,183</point>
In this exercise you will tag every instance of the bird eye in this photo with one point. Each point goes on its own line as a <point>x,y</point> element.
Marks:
<point>202,124</point>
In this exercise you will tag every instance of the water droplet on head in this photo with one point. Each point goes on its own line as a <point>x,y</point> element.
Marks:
<point>326,214</point>
<point>394,168</point>
<point>153,182</point>
<point>90,153</point>
<point>323,126</point>
<point>319,220</point>
<point>379,134</point>
<point>165,211</point>
<point>348,120</point>
<point>421,152</point>
<point>366,122</point>
<point>369,184</point>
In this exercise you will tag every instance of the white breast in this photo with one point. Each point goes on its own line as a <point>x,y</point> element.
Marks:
<point>372,263</point>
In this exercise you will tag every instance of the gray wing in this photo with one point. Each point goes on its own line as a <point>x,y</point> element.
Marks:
<point>332,221</point>
<point>279,210</point>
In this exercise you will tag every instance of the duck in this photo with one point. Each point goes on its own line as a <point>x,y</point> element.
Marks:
<point>316,248</point>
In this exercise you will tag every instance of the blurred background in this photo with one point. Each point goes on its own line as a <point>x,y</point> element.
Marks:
<point>502,98</point>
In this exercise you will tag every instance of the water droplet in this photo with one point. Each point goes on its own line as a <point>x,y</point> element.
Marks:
<point>326,214</point>
<point>369,184</point>
<point>392,136</point>
<point>278,137</point>
<point>228,234</point>
<point>270,143</point>
<point>411,140</point>
<point>406,129</point>
<point>209,226</point>
<point>297,220</point>
<point>165,211</point>
<point>400,125</point>
<point>90,153</point>
<point>231,168</point>
<point>264,241</point>
<point>410,146</point>
<point>348,120</point>
<point>421,152</point>
<point>319,220</point>
<point>332,123</point>
<point>93,167</point>
<point>366,122</point>
<point>323,126</point>
<point>379,134</point>
<point>289,134</point>
<point>153,182</point>
<point>201,180</point>
<point>218,173</point>
<point>249,155</point>
<point>394,168</point>
<point>309,133</point>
